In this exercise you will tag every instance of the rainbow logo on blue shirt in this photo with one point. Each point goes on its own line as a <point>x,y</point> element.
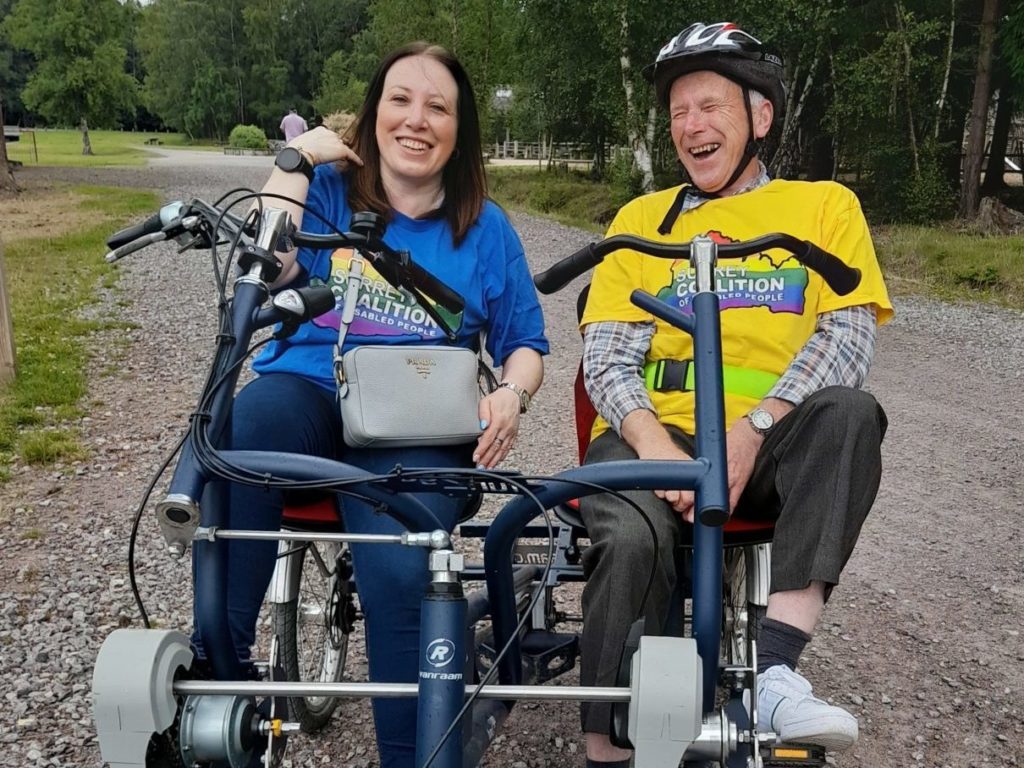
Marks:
<point>382,309</point>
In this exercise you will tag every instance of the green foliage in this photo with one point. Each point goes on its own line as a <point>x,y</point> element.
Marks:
<point>624,178</point>
<point>895,192</point>
<point>80,59</point>
<point>341,88</point>
<point>247,137</point>
<point>213,65</point>
<point>566,196</point>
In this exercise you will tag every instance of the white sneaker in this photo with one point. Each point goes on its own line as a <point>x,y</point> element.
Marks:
<point>785,704</point>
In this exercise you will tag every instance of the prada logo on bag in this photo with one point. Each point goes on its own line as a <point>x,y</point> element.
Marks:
<point>424,365</point>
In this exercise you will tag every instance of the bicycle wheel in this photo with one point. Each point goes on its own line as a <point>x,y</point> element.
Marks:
<point>736,625</point>
<point>313,629</point>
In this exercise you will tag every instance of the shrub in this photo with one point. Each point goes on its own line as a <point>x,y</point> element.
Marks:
<point>247,137</point>
<point>339,122</point>
<point>625,179</point>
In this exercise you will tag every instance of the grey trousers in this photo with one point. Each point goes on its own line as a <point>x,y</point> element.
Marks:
<point>816,475</point>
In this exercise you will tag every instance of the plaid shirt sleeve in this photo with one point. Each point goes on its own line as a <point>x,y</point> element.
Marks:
<point>838,353</point>
<point>613,360</point>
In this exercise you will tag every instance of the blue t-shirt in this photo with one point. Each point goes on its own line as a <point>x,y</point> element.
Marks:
<point>488,270</point>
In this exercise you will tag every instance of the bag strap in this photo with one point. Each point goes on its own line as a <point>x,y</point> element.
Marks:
<point>348,312</point>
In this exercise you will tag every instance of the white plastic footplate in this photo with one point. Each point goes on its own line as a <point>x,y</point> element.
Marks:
<point>664,709</point>
<point>132,690</point>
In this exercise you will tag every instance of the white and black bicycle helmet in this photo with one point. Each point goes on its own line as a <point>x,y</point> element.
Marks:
<point>723,48</point>
<point>727,50</point>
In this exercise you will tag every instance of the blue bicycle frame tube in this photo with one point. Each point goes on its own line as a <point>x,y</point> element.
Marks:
<point>190,480</point>
<point>502,534</point>
<point>442,687</point>
<point>712,502</point>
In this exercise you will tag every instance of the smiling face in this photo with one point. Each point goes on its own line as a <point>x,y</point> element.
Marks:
<point>709,129</point>
<point>417,121</point>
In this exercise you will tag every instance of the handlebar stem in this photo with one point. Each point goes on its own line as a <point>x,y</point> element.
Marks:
<point>703,257</point>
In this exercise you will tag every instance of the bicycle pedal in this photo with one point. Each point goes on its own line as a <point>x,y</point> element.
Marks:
<point>786,755</point>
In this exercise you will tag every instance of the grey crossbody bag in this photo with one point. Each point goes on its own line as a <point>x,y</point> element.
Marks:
<point>395,396</point>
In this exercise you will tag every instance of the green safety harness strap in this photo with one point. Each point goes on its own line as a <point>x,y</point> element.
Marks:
<point>677,376</point>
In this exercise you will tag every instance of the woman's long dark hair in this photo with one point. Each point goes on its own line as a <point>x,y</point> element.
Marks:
<point>465,185</point>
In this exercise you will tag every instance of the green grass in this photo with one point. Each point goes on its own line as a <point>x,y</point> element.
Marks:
<point>64,147</point>
<point>568,197</point>
<point>951,264</point>
<point>49,280</point>
<point>940,261</point>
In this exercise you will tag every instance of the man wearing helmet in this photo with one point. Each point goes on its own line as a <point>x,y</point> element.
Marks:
<point>803,443</point>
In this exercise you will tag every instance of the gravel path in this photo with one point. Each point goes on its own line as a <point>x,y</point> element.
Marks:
<point>922,640</point>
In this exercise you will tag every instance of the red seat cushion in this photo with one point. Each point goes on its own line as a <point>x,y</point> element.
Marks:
<point>322,512</point>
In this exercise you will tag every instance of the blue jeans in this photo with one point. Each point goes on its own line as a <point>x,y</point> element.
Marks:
<point>281,412</point>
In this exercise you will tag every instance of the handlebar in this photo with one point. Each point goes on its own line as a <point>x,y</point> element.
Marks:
<point>194,223</point>
<point>840,277</point>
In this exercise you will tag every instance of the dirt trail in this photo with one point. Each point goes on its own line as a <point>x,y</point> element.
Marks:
<point>922,640</point>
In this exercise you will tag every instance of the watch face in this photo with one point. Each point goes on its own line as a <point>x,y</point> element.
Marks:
<point>761,419</point>
<point>289,159</point>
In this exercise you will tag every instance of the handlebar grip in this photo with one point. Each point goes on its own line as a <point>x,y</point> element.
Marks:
<point>561,273</point>
<point>133,246</point>
<point>840,277</point>
<point>134,232</point>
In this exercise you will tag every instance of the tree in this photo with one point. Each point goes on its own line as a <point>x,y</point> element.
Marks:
<point>193,53</point>
<point>970,193</point>
<point>80,73</point>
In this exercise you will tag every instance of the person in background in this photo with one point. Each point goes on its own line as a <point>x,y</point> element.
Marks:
<point>293,125</point>
<point>414,156</point>
<point>803,442</point>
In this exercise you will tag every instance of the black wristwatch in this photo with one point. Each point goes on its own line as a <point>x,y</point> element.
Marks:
<point>291,160</point>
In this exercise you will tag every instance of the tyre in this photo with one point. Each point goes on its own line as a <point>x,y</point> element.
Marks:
<point>736,614</point>
<point>313,629</point>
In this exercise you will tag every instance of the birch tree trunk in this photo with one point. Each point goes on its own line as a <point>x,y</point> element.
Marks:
<point>970,192</point>
<point>911,130</point>
<point>83,126</point>
<point>785,159</point>
<point>949,68</point>
<point>639,142</point>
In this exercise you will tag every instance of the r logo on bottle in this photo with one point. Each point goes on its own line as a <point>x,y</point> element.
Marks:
<point>440,652</point>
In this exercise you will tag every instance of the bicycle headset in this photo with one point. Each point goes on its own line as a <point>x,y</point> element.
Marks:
<point>727,50</point>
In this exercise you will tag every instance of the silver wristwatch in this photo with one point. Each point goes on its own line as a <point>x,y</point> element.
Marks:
<point>761,421</point>
<point>524,396</point>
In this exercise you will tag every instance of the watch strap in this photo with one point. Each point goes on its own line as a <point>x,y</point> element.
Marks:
<point>524,396</point>
<point>293,160</point>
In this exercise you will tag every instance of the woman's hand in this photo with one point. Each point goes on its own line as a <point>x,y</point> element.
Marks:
<point>322,145</point>
<point>499,417</point>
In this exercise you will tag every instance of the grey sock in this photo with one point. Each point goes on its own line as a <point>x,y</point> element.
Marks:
<point>779,643</point>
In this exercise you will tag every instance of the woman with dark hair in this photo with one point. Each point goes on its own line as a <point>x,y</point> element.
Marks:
<point>413,156</point>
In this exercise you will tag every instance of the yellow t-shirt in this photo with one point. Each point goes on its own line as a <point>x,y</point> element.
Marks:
<point>769,301</point>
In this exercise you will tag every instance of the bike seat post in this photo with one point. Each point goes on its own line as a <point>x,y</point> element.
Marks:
<point>442,688</point>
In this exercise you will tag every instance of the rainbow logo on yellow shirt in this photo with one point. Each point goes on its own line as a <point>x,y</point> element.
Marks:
<point>754,281</point>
